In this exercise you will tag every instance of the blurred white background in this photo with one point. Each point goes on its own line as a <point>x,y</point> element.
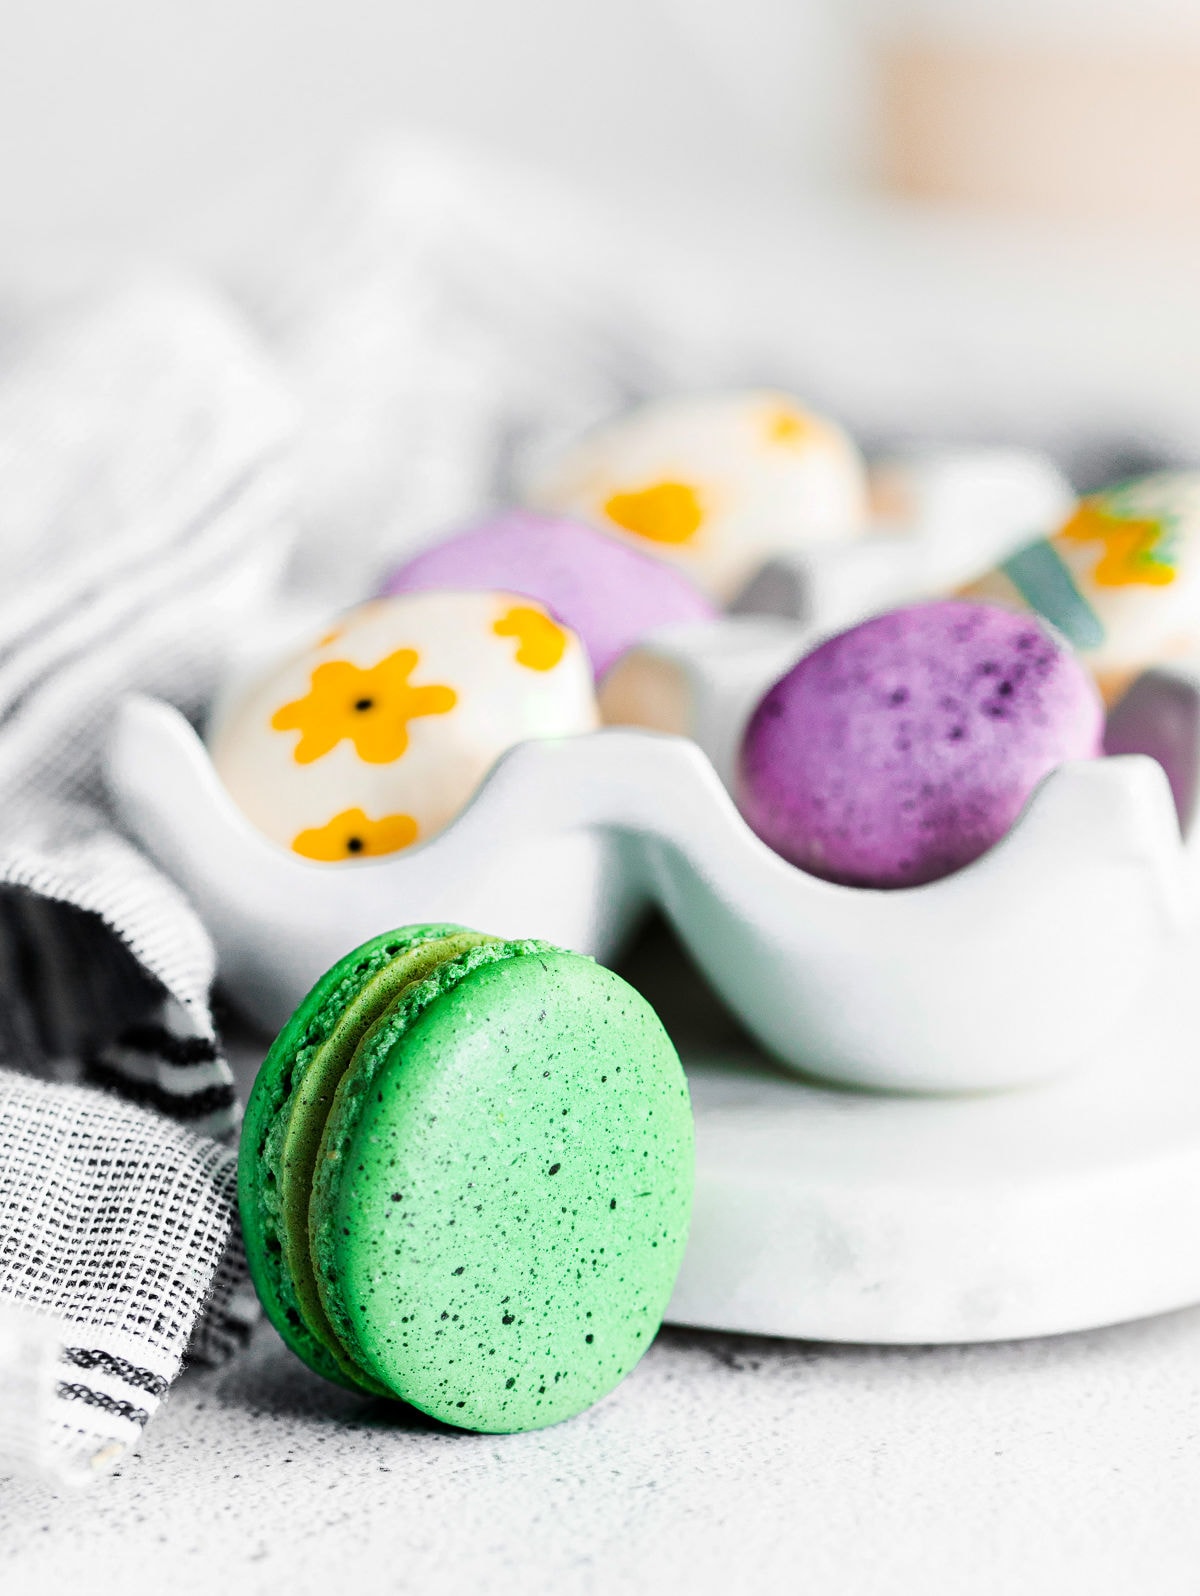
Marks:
<point>139,121</point>
<point>1012,291</point>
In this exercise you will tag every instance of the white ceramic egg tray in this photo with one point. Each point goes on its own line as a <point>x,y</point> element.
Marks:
<point>943,516</point>
<point>941,1207</point>
<point>820,1213</point>
<point>851,1216</point>
<point>1009,971</point>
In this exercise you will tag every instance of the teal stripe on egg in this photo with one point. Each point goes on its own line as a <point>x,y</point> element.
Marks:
<point>1042,579</point>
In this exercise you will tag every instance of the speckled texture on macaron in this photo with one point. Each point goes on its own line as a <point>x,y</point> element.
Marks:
<point>610,595</point>
<point>500,1196</point>
<point>902,749</point>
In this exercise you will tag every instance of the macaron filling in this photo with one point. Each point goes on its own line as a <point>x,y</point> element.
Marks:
<point>308,1111</point>
<point>275,1227</point>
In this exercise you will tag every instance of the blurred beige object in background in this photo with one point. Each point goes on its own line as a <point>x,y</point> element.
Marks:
<point>1064,109</point>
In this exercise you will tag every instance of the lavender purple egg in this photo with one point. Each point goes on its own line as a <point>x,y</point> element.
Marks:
<point>607,593</point>
<point>902,749</point>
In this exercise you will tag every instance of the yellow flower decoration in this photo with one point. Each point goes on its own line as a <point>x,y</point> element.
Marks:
<point>666,512</point>
<point>370,707</point>
<point>541,642</point>
<point>1132,549</point>
<point>351,835</point>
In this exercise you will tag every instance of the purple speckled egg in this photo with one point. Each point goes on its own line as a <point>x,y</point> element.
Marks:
<point>607,593</point>
<point>904,748</point>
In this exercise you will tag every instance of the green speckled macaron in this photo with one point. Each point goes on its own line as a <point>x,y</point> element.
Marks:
<point>466,1176</point>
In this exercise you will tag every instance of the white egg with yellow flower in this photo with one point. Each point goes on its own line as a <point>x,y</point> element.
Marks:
<point>377,736</point>
<point>716,484</point>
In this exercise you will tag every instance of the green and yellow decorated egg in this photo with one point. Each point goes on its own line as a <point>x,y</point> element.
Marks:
<point>1120,578</point>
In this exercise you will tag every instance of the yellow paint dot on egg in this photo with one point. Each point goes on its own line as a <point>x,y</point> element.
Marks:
<point>665,512</point>
<point>790,427</point>
<point>371,708</point>
<point>353,835</point>
<point>541,642</point>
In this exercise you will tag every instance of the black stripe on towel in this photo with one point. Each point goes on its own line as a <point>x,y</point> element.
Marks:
<point>154,1385</point>
<point>157,1040</point>
<point>101,1400</point>
<point>180,1105</point>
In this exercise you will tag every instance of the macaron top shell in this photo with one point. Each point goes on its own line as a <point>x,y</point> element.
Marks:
<point>904,748</point>
<point>500,1190</point>
<point>609,594</point>
<point>715,484</point>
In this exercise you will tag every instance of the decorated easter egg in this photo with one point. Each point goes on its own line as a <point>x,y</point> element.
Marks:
<point>901,750</point>
<point>378,735</point>
<point>1120,578</point>
<point>610,595</point>
<point>715,484</point>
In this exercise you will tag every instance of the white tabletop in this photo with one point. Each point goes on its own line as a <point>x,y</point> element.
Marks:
<point>724,1463</point>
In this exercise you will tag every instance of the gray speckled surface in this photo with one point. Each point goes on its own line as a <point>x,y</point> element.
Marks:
<point>722,1464</point>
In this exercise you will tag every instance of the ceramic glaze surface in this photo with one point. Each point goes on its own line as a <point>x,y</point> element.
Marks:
<point>714,484</point>
<point>939,518</point>
<point>835,1216</point>
<point>609,594</point>
<point>904,748</point>
<point>890,990</point>
<point>376,736</point>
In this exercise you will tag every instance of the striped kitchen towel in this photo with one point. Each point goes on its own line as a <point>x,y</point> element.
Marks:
<point>145,512</point>
<point>118,1232</point>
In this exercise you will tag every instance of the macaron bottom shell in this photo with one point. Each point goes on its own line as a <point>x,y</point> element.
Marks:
<point>499,1200</point>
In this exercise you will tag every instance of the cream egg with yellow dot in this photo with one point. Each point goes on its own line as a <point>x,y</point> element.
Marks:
<point>377,735</point>
<point>716,483</point>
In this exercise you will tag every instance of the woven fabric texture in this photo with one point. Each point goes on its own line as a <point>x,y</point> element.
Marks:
<point>115,1223</point>
<point>146,514</point>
